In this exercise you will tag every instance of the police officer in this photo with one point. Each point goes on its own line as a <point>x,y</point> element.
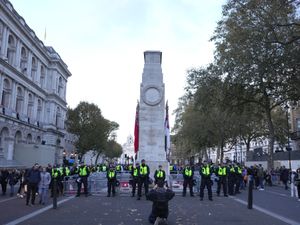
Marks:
<point>188,175</point>
<point>205,172</point>
<point>144,172</point>
<point>221,172</point>
<point>135,178</point>
<point>83,173</point>
<point>238,178</point>
<point>118,168</point>
<point>159,175</point>
<point>231,180</point>
<point>55,174</point>
<point>111,176</point>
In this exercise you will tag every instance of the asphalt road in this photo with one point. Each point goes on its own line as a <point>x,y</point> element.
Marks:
<point>271,207</point>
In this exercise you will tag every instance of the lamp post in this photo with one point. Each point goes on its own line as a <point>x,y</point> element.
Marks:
<point>288,148</point>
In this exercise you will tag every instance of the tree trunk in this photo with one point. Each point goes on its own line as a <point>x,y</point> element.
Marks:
<point>271,139</point>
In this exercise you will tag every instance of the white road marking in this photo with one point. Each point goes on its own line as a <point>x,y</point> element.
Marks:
<point>8,199</point>
<point>35,213</point>
<point>277,216</point>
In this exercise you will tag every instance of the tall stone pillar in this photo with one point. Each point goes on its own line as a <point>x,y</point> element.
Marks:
<point>152,113</point>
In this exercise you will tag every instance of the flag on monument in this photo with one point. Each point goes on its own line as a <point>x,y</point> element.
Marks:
<point>167,130</point>
<point>136,129</point>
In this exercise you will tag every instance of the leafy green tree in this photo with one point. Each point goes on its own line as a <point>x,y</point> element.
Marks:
<point>113,149</point>
<point>258,54</point>
<point>92,129</point>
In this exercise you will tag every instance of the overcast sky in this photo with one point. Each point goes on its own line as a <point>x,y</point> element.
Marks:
<point>102,42</point>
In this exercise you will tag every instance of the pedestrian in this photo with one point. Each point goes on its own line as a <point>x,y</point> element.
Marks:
<point>297,182</point>
<point>231,180</point>
<point>111,176</point>
<point>83,173</point>
<point>144,172</point>
<point>284,177</point>
<point>22,182</point>
<point>238,178</point>
<point>205,172</point>
<point>159,175</point>
<point>160,196</point>
<point>33,178</point>
<point>44,185</point>
<point>222,172</point>
<point>188,180</point>
<point>134,178</point>
<point>261,177</point>
<point>55,176</point>
<point>12,181</point>
<point>3,180</point>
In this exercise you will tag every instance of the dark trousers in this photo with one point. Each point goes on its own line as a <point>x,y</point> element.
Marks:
<point>231,182</point>
<point>238,181</point>
<point>31,191</point>
<point>187,182</point>
<point>84,181</point>
<point>111,184</point>
<point>298,188</point>
<point>222,182</point>
<point>134,183</point>
<point>3,186</point>
<point>205,181</point>
<point>143,180</point>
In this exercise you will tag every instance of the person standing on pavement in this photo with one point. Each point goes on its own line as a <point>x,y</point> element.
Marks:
<point>111,176</point>
<point>12,181</point>
<point>222,172</point>
<point>159,175</point>
<point>284,177</point>
<point>205,172</point>
<point>238,178</point>
<point>33,178</point>
<point>135,178</point>
<point>261,177</point>
<point>144,172</point>
<point>44,185</point>
<point>3,180</point>
<point>297,182</point>
<point>188,180</point>
<point>83,173</point>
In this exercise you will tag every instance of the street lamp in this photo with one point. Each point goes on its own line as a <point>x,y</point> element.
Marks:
<point>288,148</point>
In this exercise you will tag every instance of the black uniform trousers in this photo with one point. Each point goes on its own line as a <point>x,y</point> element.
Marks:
<point>231,182</point>
<point>238,181</point>
<point>84,181</point>
<point>135,181</point>
<point>188,182</point>
<point>205,181</point>
<point>111,187</point>
<point>143,180</point>
<point>222,182</point>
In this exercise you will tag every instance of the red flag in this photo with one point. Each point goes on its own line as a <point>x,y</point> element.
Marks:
<point>136,129</point>
<point>167,130</point>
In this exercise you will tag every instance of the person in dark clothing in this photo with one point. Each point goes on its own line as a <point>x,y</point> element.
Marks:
<point>135,178</point>
<point>222,172</point>
<point>205,172</point>
<point>284,177</point>
<point>33,178</point>
<point>12,181</point>
<point>111,176</point>
<point>144,172</point>
<point>83,173</point>
<point>160,196</point>
<point>188,175</point>
<point>3,180</point>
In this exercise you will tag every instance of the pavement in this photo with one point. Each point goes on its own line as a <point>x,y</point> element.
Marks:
<point>273,206</point>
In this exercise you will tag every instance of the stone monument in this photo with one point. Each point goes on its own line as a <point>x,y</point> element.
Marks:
<point>152,113</point>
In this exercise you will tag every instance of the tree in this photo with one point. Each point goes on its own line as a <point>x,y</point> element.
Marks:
<point>249,51</point>
<point>92,129</point>
<point>113,149</point>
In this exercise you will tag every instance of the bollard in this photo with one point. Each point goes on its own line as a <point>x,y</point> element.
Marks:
<point>250,193</point>
<point>54,193</point>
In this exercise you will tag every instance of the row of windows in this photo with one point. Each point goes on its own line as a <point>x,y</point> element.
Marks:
<point>27,64</point>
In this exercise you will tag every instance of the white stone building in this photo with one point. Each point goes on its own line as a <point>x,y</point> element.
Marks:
<point>127,150</point>
<point>33,81</point>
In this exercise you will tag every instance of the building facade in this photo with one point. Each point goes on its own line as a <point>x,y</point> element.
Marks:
<point>33,81</point>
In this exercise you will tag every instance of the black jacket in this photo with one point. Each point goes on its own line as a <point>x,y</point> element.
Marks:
<point>33,176</point>
<point>160,198</point>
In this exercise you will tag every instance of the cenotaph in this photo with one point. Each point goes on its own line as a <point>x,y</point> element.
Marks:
<point>152,113</point>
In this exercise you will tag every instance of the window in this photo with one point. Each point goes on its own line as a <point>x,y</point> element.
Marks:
<point>19,102</point>
<point>30,106</point>
<point>57,117</point>
<point>42,78</point>
<point>39,110</point>
<point>11,49</point>
<point>60,87</point>
<point>33,68</point>
<point>24,60</point>
<point>6,93</point>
